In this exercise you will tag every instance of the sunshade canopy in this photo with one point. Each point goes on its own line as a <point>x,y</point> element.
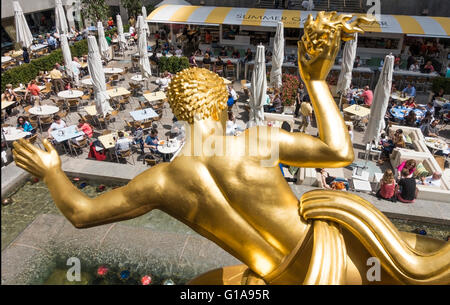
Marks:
<point>189,14</point>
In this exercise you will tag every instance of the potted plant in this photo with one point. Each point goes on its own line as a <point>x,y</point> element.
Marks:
<point>289,86</point>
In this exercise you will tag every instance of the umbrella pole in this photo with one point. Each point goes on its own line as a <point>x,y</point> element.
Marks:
<point>340,102</point>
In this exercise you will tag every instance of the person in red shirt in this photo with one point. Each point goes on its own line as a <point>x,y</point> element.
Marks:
<point>34,91</point>
<point>85,127</point>
<point>367,95</point>
<point>110,22</point>
<point>429,67</point>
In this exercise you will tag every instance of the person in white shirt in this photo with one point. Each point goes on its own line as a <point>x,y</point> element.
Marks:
<point>76,66</point>
<point>232,128</point>
<point>434,180</point>
<point>123,143</point>
<point>415,67</point>
<point>232,92</point>
<point>164,81</point>
<point>56,125</point>
<point>179,51</point>
<point>131,30</point>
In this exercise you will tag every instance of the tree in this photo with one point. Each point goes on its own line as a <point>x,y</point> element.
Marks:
<point>134,7</point>
<point>95,10</point>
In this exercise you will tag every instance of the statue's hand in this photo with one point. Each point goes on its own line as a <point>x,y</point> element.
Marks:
<point>34,160</point>
<point>321,42</point>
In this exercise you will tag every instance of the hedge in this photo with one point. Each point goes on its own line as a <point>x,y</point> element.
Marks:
<point>26,72</point>
<point>441,82</point>
<point>173,64</point>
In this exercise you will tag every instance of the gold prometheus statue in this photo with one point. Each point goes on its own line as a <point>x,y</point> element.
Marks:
<point>235,195</point>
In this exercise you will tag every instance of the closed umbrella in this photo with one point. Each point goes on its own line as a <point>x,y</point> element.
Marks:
<point>258,88</point>
<point>104,48</point>
<point>144,14</point>
<point>348,59</point>
<point>277,57</point>
<point>60,18</point>
<point>142,24</point>
<point>380,101</point>
<point>23,34</point>
<point>66,54</point>
<point>98,78</point>
<point>122,40</point>
<point>143,54</point>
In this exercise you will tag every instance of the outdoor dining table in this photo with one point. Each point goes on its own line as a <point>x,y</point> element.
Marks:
<point>435,144</point>
<point>11,133</point>
<point>66,94</point>
<point>401,112</point>
<point>6,104</point>
<point>414,73</point>
<point>44,110</point>
<point>65,134</point>
<point>440,101</point>
<point>23,89</point>
<point>17,53</point>
<point>91,110</point>
<point>112,70</point>
<point>169,147</point>
<point>87,81</point>
<point>138,78</point>
<point>38,47</point>
<point>118,91</point>
<point>6,59</point>
<point>143,114</point>
<point>358,110</point>
<point>155,96</point>
<point>109,140</point>
<point>398,96</point>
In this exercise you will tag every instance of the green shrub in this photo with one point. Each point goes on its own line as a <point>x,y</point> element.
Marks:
<point>173,64</point>
<point>289,86</point>
<point>441,82</point>
<point>26,72</point>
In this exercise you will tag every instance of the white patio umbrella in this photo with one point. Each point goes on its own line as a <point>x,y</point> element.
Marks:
<point>144,14</point>
<point>258,88</point>
<point>348,59</point>
<point>277,57</point>
<point>380,102</point>
<point>104,48</point>
<point>122,39</point>
<point>23,34</point>
<point>141,23</point>
<point>66,55</point>
<point>60,18</point>
<point>144,63</point>
<point>98,78</point>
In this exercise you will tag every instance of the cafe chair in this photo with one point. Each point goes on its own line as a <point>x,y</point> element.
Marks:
<point>78,148</point>
<point>230,71</point>
<point>124,154</point>
<point>73,104</point>
<point>207,66</point>
<point>147,125</point>
<point>104,120</point>
<point>48,90</point>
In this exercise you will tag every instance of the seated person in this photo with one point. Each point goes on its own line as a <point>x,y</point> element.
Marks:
<point>411,119</point>
<point>410,165</point>
<point>429,107</point>
<point>389,145</point>
<point>84,127</point>
<point>179,51</point>
<point>57,124</point>
<point>235,54</point>
<point>232,96</point>
<point>164,81</point>
<point>138,137</point>
<point>407,188</point>
<point>410,90</point>
<point>192,61</point>
<point>277,106</point>
<point>208,51</point>
<point>330,182</point>
<point>232,128</point>
<point>410,103</point>
<point>206,59</point>
<point>428,68</point>
<point>387,186</point>
<point>123,143</point>
<point>223,52</point>
<point>151,142</point>
<point>24,125</point>
<point>433,180</point>
<point>430,129</point>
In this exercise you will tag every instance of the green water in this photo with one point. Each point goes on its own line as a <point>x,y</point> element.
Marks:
<point>33,199</point>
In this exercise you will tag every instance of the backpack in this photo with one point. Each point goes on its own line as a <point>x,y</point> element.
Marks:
<point>94,154</point>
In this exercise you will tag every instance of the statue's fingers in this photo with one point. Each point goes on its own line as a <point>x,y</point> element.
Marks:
<point>28,146</point>
<point>28,169</point>
<point>21,150</point>
<point>47,145</point>
<point>24,160</point>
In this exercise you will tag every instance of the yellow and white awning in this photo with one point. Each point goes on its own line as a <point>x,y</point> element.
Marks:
<point>204,15</point>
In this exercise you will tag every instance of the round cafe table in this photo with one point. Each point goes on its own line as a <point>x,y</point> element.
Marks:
<point>112,70</point>
<point>435,144</point>
<point>70,94</point>
<point>168,147</point>
<point>87,81</point>
<point>43,111</point>
<point>6,58</point>
<point>401,112</point>
<point>138,78</point>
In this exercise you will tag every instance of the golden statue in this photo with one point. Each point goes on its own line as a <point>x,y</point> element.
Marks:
<point>248,209</point>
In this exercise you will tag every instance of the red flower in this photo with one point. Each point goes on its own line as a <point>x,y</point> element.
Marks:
<point>146,280</point>
<point>102,271</point>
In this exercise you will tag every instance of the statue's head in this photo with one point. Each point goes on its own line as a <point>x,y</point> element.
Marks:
<point>197,94</point>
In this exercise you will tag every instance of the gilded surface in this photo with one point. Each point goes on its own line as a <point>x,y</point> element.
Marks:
<point>236,196</point>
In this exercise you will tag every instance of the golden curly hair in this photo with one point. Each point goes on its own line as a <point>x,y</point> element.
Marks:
<point>197,92</point>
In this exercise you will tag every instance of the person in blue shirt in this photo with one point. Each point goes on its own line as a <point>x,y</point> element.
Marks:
<point>24,125</point>
<point>152,140</point>
<point>447,75</point>
<point>410,90</point>
<point>51,41</point>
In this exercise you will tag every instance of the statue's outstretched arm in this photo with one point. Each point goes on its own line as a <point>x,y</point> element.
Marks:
<point>316,54</point>
<point>136,198</point>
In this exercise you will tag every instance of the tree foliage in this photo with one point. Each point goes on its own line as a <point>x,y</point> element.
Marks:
<point>134,7</point>
<point>95,10</point>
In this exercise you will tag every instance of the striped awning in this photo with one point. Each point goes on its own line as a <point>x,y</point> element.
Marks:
<point>212,15</point>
